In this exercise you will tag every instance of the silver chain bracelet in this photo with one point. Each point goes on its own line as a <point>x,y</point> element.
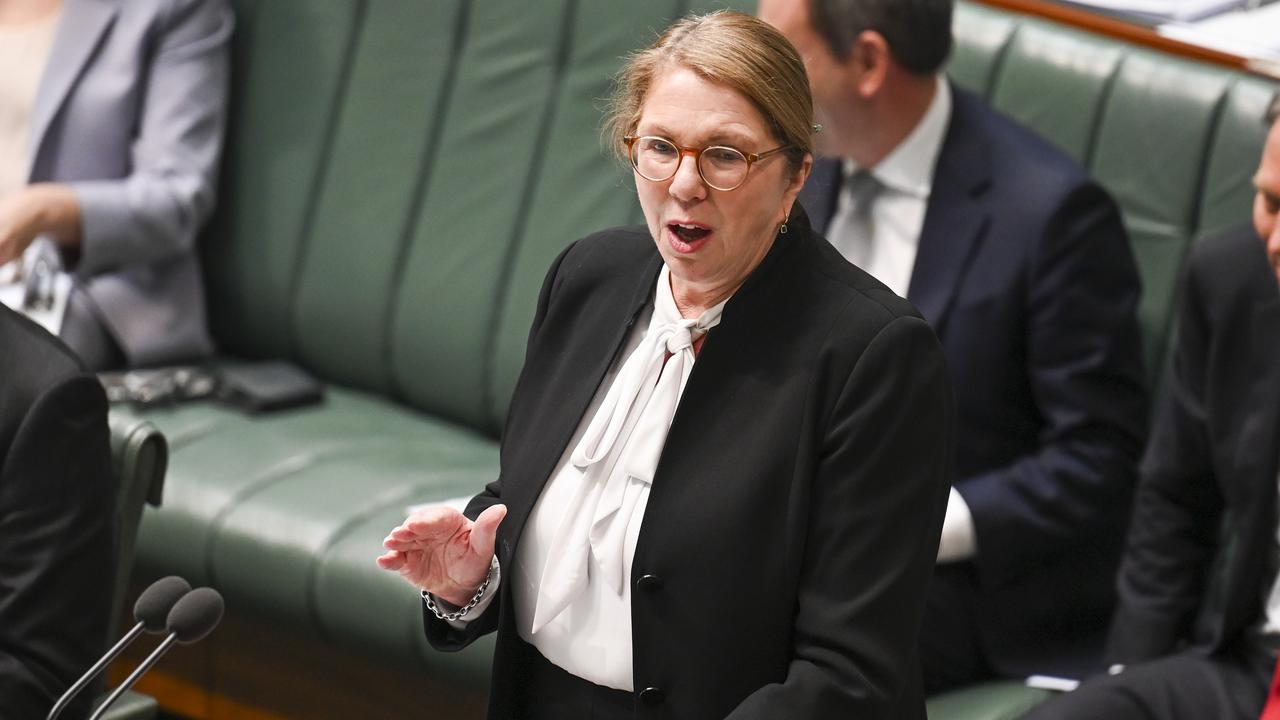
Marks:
<point>475,599</point>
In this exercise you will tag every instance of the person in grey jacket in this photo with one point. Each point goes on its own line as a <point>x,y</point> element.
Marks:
<point>111,121</point>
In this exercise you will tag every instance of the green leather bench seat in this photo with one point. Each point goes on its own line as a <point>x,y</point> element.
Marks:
<point>285,512</point>
<point>397,178</point>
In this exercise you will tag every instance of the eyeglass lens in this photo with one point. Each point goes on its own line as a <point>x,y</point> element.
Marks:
<point>657,159</point>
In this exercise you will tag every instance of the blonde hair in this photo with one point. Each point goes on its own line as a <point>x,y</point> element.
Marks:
<point>729,48</point>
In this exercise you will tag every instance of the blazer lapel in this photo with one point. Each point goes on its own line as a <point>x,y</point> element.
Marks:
<point>521,497</point>
<point>956,218</point>
<point>1256,464</point>
<point>1257,439</point>
<point>80,30</point>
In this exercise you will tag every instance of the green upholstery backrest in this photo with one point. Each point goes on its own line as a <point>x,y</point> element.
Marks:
<point>1175,142</point>
<point>981,35</point>
<point>1226,197</point>
<point>574,191</point>
<point>288,58</point>
<point>1152,146</point>
<point>399,175</point>
<point>1034,60</point>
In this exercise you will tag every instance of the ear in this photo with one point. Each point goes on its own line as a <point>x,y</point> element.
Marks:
<point>796,182</point>
<point>869,60</point>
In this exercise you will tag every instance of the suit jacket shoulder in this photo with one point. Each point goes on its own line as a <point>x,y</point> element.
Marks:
<point>1025,173</point>
<point>57,492</point>
<point>1230,270</point>
<point>33,361</point>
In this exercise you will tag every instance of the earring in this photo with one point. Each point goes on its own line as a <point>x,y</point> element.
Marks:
<point>785,219</point>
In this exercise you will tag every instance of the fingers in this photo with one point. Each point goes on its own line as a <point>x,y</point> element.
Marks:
<point>392,561</point>
<point>433,520</point>
<point>485,530</point>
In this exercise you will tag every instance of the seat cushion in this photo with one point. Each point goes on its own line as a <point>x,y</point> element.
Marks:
<point>1000,700</point>
<point>285,513</point>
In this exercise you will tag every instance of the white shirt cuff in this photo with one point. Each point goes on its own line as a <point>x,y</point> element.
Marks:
<point>481,606</point>
<point>959,540</point>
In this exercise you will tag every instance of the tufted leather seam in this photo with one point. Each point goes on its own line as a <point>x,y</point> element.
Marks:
<point>522,212</point>
<point>395,496</point>
<point>1202,168</point>
<point>1104,99</point>
<point>316,190</point>
<point>276,473</point>
<point>421,185</point>
<point>998,59</point>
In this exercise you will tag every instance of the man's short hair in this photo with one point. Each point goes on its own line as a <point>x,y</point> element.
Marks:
<point>918,31</point>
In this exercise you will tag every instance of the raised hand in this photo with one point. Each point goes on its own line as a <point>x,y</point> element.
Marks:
<point>439,550</point>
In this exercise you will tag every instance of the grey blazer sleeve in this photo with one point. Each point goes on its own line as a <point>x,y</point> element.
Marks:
<point>156,210</point>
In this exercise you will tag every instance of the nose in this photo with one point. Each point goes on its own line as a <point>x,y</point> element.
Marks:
<point>687,183</point>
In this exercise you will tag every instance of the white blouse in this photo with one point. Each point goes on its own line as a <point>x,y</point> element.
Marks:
<point>573,563</point>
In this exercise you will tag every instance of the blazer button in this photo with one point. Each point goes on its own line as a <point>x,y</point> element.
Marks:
<point>652,696</point>
<point>648,582</point>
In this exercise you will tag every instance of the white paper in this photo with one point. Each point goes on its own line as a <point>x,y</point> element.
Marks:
<point>1247,33</point>
<point>12,292</point>
<point>1049,682</point>
<point>1167,9</point>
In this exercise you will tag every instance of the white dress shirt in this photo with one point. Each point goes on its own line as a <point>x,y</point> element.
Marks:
<point>889,254</point>
<point>906,175</point>
<point>1271,623</point>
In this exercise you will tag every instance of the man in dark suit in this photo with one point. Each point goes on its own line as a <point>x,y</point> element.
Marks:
<point>57,510</point>
<point>1020,263</point>
<point>1198,624</point>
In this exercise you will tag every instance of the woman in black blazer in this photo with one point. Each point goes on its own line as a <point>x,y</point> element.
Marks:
<point>726,461</point>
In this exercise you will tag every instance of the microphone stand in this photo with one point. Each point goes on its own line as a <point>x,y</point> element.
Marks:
<point>133,678</point>
<point>98,667</point>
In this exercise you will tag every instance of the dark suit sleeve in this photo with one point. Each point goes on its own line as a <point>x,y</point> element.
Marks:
<point>1177,507</point>
<point>879,491</point>
<point>1086,378</point>
<point>440,634</point>
<point>57,510</point>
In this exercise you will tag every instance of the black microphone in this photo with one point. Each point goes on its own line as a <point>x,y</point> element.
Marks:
<point>151,611</point>
<point>192,617</point>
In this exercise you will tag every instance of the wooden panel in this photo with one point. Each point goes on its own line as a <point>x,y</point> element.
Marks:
<point>248,669</point>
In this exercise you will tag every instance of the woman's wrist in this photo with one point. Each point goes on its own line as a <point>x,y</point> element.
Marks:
<point>57,212</point>
<point>456,597</point>
<point>460,595</point>
<point>452,608</point>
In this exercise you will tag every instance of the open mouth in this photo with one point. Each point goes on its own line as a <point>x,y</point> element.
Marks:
<point>689,233</point>
<point>686,237</point>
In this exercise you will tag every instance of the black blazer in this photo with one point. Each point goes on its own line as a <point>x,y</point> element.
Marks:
<point>57,510</point>
<point>795,511</point>
<point>1024,271</point>
<point>1198,561</point>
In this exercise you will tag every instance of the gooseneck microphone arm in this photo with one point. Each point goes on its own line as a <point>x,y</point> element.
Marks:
<point>151,611</point>
<point>192,617</point>
<point>134,676</point>
<point>98,667</point>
